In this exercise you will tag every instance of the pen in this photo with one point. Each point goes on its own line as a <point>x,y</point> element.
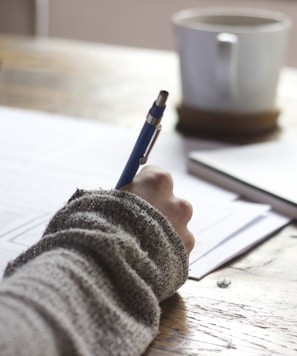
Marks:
<point>145,141</point>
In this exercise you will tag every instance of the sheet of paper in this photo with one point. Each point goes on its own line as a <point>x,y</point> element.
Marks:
<point>264,172</point>
<point>237,244</point>
<point>45,157</point>
<point>227,220</point>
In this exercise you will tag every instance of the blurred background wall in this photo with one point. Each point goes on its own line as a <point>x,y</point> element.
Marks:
<point>126,22</point>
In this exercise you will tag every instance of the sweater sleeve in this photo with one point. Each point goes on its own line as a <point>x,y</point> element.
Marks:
<point>93,283</point>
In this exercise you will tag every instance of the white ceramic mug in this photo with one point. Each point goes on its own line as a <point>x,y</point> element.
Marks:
<point>230,58</point>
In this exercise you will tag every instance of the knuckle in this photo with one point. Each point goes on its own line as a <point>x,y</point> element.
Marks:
<point>185,209</point>
<point>189,241</point>
<point>161,179</point>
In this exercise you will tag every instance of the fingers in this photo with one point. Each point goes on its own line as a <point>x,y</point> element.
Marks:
<point>155,185</point>
<point>180,212</point>
<point>182,209</point>
<point>188,240</point>
<point>155,180</point>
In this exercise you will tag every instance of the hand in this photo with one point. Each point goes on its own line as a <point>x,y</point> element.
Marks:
<point>156,186</point>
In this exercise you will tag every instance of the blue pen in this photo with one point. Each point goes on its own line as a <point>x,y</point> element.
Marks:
<point>145,141</point>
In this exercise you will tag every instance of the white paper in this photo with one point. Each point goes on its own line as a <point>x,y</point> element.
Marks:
<point>237,244</point>
<point>45,157</point>
<point>227,220</point>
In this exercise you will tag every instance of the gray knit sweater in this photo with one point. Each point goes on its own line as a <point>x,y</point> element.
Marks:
<point>93,283</point>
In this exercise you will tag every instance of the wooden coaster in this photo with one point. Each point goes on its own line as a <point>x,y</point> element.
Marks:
<point>196,122</point>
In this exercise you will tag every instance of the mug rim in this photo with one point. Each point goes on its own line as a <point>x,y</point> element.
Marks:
<point>280,21</point>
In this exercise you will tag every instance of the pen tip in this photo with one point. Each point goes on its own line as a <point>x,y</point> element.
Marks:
<point>162,98</point>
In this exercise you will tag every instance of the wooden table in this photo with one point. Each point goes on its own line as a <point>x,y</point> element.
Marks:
<point>257,313</point>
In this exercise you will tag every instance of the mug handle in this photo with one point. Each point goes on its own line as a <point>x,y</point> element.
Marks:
<point>226,64</point>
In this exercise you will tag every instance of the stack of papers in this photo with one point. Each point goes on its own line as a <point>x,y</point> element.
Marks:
<point>263,172</point>
<point>45,157</point>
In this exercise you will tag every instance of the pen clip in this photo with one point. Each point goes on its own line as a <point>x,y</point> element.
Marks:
<point>144,159</point>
